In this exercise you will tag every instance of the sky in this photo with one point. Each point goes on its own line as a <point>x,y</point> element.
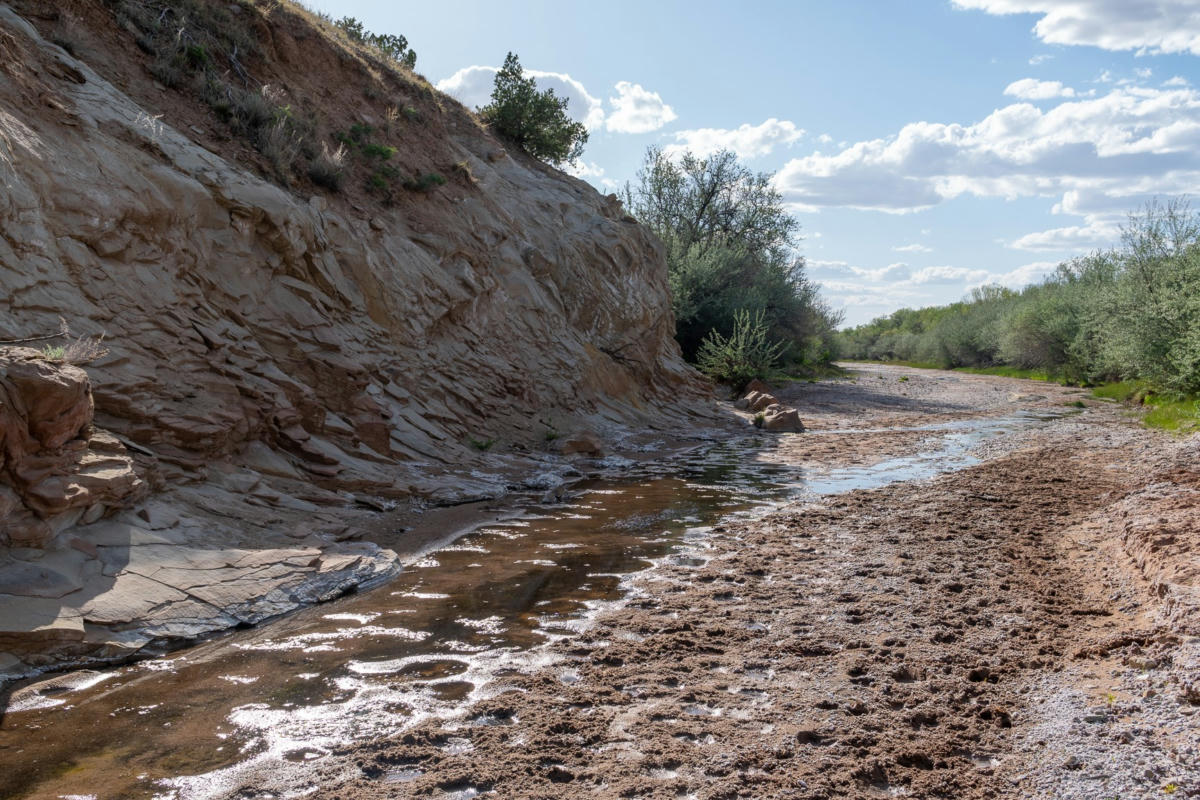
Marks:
<point>925,147</point>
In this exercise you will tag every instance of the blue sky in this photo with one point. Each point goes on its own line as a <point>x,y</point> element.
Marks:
<point>925,147</point>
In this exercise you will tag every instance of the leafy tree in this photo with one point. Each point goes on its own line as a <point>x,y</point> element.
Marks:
<point>535,121</point>
<point>730,248</point>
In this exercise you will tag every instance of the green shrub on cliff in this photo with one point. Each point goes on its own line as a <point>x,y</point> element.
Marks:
<point>537,122</point>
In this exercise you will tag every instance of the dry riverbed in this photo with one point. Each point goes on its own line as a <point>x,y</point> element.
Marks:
<point>952,586</point>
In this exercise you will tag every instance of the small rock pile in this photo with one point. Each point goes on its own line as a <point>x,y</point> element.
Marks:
<point>775,416</point>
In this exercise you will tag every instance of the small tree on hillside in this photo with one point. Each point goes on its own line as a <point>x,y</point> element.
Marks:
<point>537,122</point>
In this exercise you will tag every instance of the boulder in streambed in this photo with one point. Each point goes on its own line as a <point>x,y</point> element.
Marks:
<point>781,419</point>
<point>756,401</point>
<point>583,443</point>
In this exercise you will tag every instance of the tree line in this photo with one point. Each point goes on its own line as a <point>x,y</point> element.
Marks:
<point>1128,313</point>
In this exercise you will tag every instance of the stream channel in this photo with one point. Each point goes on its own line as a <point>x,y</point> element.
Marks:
<point>441,635</point>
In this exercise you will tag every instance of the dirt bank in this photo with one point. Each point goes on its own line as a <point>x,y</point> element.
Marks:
<point>985,634</point>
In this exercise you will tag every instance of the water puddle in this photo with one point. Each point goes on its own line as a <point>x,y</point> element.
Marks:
<point>441,636</point>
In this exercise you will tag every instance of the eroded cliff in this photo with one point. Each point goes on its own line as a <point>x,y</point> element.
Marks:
<point>284,362</point>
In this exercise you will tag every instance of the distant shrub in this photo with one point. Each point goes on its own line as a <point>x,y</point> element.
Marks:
<point>390,46</point>
<point>537,122</point>
<point>745,355</point>
<point>425,182</point>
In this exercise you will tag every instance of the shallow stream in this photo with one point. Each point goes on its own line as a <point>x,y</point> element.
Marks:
<point>441,635</point>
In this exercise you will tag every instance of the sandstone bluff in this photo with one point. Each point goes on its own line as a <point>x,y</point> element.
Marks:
<point>284,365</point>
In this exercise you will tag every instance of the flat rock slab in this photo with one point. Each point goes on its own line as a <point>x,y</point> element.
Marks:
<point>144,586</point>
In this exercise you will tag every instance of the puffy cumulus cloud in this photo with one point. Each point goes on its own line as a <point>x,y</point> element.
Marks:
<point>637,110</point>
<point>1122,144</point>
<point>1103,216</point>
<point>1033,89</point>
<point>1153,26</point>
<point>472,86</point>
<point>748,141</point>
<point>1073,238</point>
<point>913,248</point>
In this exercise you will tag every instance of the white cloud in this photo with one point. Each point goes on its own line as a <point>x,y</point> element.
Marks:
<point>1095,235</point>
<point>841,269</point>
<point>637,110</point>
<point>472,86</point>
<point>1041,58</point>
<point>1122,145</point>
<point>913,248</point>
<point>1023,275</point>
<point>585,170</point>
<point>1152,26</point>
<point>947,275</point>
<point>748,141</point>
<point>1033,89</point>
<point>1143,72</point>
<point>1176,81</point>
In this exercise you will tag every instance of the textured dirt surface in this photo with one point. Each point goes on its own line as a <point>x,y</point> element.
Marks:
<point>984,634</point>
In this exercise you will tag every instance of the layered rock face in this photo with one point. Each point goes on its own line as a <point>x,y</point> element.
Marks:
<point>280,363</point>
<point>56,468</point>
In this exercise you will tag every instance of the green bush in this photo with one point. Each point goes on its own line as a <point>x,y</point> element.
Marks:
<point>745,355</point>
<point>537,122</point>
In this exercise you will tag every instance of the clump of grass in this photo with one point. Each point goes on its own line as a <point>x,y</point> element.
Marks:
<point>464,169</point>
<point>329,168</point>
<point>760,419</point>
<point>75,351</point>
<point>482,445</point>
<point>1077,404</point>
<point>903,379</point>
<point>424,182</point>
<point>1182,416</point>
<point>1009,372</point>
<point>1165,412</point>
